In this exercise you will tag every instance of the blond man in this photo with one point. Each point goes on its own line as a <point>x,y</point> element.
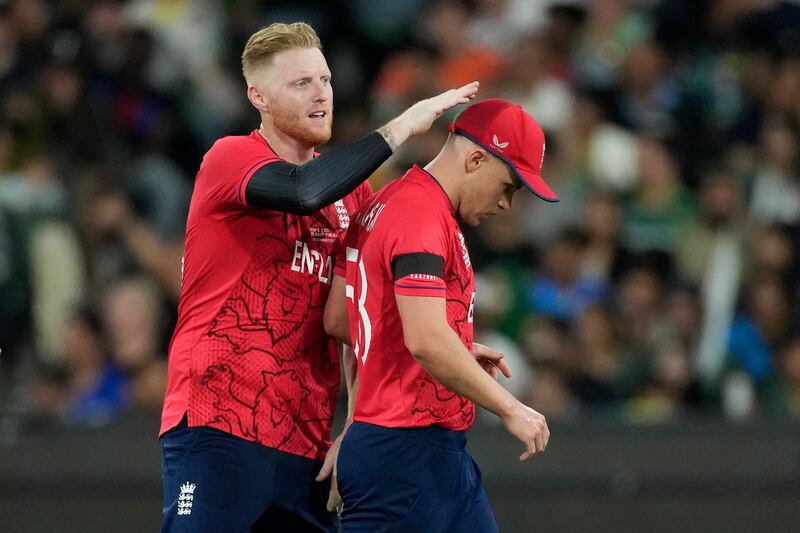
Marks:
<point>253,379</point>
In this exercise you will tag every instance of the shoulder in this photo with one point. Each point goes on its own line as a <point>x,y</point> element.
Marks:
<point>409,216</point>
<point>364,190</point>
<point>412,202</point>
<point>358,197</point>
<point>234,157</point>
<point>228,165</point>
<point>238,144</point>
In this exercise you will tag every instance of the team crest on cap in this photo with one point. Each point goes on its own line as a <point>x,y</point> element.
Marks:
<point>497,142</point>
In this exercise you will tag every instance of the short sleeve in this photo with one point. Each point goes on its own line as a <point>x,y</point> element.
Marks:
<point>415,253</point>
<point>228,167</point>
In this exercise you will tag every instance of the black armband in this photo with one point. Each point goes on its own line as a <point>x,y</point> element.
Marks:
<point>417,263</point>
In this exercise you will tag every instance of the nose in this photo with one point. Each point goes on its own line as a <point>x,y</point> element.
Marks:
<point>321,95</point>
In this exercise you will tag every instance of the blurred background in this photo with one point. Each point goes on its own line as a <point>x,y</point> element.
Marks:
<point>651,315</point>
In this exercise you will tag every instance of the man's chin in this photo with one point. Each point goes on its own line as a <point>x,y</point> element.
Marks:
<point>322,139</point>
<point>473,221</point>
<point>311,137</point>
<point>316,137</point>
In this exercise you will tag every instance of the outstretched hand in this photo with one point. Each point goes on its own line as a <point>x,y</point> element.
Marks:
<point>419,117</point>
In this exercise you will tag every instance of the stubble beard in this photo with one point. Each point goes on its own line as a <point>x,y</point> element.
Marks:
<point>288,122</point>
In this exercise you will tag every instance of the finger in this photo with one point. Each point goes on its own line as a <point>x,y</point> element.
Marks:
<point>491,355</point>
<point>495,358</point>
<point>531,449</point>
<point>326,470</point>
<point>488,367</point>
<point>334,499</point>
<point>540,442</point>
<point>469,88</point>
<point>468,92</point>
<point>504,368</point>
<point>480,350</point>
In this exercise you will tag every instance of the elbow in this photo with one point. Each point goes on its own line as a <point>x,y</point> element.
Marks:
<point>305,208</point>
<point>311,202</point>
<point>337,327</point>
<point>329,323</point>
<point>420,344</point>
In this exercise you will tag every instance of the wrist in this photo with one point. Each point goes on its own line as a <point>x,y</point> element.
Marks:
<point>394,133</point>
<point>507,409</point>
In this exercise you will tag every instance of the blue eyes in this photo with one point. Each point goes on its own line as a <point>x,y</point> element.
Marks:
<point>303,83</point>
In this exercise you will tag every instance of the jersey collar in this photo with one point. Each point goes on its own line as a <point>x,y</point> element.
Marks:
<point>430,181</point>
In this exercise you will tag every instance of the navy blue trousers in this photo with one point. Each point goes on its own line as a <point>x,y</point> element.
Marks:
<point>216,482</point>
<point>410,480</point>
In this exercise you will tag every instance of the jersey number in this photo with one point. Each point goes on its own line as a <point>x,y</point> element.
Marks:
<point>362,342</point>
<point>471,312</point>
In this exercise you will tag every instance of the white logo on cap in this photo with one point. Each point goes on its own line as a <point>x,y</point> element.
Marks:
<point>542,161</point>
<point>497,142</point>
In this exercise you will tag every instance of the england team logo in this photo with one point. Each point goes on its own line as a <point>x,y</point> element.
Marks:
<point>341,212</point>
<point>186,498</point>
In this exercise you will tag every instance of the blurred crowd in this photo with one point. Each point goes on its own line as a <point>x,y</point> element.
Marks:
<point>664,283</point>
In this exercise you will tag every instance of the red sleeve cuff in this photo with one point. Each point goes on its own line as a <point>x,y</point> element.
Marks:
<point>420,285</point>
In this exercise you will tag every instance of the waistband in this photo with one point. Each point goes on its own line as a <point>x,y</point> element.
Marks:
<point>436,434</point>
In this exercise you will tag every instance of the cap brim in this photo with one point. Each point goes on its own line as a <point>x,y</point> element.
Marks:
<point>535,183</point>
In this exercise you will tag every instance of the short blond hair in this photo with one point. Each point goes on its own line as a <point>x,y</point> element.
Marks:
<point>262,46</point>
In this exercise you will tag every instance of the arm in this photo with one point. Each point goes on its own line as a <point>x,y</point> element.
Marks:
<point>441,353</point>
<point>335,319</point>
<point>304,189</point>
<point>348,361</point>
<point>350,367</point>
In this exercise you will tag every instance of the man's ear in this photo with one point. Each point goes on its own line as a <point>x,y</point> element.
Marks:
<point>476,159</point>
<point>257,98</point>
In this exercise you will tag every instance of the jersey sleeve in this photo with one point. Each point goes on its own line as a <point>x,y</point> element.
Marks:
<point>415,254</point>
<point>228,166</point>
<point>363,193</point>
